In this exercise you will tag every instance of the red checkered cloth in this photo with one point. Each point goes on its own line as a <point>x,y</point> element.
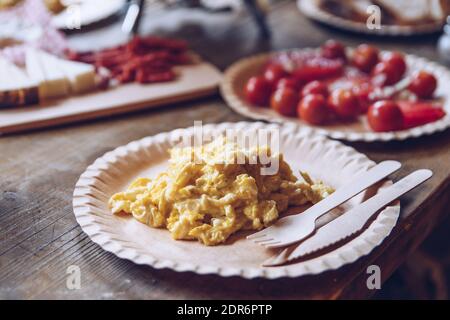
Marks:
<point>34,13</point>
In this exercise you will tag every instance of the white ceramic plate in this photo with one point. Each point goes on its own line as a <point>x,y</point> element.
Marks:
<point>312,10</point>
<point>86,12</point>
<point>127,238</point>
<point>237,75</point>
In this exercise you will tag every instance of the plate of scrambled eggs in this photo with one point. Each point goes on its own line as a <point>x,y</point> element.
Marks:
<point>169,202</point>
<point>206,194</point>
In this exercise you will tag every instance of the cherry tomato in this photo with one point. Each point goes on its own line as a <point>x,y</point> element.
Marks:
<point>344,103</point>
<point>420,113</point>
<point>385,116</point>
<point>284,101</point>
<point>385,74</point>
<point>273,73</point>
<point>257,91</point>
<point>365,57</point>
<point>289,82</point>
<point>318,69</point>
<point>333,49</point>
<point>315,87</point>
<point>313,109</point>
<point>397,60</point>
<point>362,93</point>
<point>423,84</point>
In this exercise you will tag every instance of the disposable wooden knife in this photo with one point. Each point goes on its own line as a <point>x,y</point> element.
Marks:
<point>351,221</point>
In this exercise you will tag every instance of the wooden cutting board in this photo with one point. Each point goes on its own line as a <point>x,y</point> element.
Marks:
<point>193,81</point>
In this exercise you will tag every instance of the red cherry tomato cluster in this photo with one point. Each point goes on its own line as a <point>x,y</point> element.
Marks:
<point>309,85</point>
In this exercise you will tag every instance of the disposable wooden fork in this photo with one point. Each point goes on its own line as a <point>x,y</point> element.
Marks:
<point>294,228</point>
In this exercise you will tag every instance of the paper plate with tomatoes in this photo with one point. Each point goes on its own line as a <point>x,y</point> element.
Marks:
<point>355,94</point>
<point>351,16</point>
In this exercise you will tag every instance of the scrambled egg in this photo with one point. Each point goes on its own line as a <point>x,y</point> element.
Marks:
<point>206,195</point>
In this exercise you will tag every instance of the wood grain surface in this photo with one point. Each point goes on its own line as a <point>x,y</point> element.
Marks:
<point>40,238</point>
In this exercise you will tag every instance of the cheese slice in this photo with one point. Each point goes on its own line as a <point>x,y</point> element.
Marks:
<point>16,88</point>
<point>57,77</point>
<point>41,67</point>
<point>81,75</point>
<point>46,77</point>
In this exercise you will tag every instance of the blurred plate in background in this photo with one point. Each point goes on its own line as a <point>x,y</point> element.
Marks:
<point>86,12</point>
<point>313,10</point>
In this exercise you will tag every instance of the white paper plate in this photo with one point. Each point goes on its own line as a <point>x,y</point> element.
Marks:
<point>127,238</point>
<point>86,12</point>
<point>237,75</point>
<point>312,10</point>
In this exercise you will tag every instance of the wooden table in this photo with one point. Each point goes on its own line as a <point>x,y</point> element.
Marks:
<point>40,238</point>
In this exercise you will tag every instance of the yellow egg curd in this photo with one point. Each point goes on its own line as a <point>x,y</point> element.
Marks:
<point>205,194</point>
